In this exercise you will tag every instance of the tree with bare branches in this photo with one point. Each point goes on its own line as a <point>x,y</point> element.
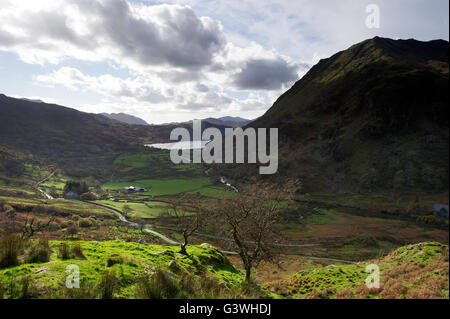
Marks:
<point>32,226</point>
<point>188,214</point>
<point>249,220</point>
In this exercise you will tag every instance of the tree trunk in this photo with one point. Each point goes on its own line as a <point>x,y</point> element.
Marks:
<point>248,270</point>
<point>183,245</point>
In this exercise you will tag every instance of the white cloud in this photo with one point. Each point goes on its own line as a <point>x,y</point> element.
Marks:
<point>183,56</point>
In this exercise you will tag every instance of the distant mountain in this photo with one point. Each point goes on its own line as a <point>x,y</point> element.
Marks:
<point>372,117</point>
<point>125,118</point>
<point>228,121</point>
<point>76,141</point>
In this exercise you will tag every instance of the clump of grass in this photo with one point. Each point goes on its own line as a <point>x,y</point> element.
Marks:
<point>107,285</point>
<point>67,252</point>
<point>38,252</point>
<point>163,285</point>
<point>64,251</point>
<point>10,247</point>
<point>78,251</point>
<point>113,260</point>
<point>159,285</point>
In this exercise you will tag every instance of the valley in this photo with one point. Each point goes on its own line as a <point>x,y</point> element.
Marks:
<point>356,186</point>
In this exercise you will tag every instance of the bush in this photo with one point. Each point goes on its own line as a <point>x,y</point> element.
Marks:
<point>38,252</point>
<point>72,230</point>
<point>10,246</point>
<point>88,196</point>
<point>7,208</point>
<point>85,223</point>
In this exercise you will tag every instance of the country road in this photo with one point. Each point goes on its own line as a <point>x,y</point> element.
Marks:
<point>48,196</point>
<point>122,218</point>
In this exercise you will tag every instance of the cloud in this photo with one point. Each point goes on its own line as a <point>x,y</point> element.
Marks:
<point>139,89</point>
<point>265,74</point>
<point>144,35</point>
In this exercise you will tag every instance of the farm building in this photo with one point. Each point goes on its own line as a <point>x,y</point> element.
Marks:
<point>71,195</point>
<point>134,189</point>
<point>440,210</point>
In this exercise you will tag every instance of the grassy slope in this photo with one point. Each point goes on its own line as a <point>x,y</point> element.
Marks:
<point>51,276</point>
<point>138,209</point>
<point>414,271</point>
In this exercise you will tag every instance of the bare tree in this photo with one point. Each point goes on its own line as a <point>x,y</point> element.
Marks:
<point>31,226</point>
<point>188,213</point>
<point>249,220</point>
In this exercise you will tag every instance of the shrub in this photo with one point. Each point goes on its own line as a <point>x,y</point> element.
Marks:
<point>10,247</point>
<point>85,223</point>
<point>38,252</point>
<point>72,230</point>
<point>88,196</point>
<point>75,217</point>
<point>7,208</point>
<point>107,285</point>
<point>78,251</point>
<point>64,251</point>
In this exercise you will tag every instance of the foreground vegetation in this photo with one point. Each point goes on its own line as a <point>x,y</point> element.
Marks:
<point>126,269</point>
<point>413,271</point>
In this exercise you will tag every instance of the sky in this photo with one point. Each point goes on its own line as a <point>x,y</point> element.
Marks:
<point>173,61</point>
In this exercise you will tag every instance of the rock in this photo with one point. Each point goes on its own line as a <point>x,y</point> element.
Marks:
<point>141,241</point>
<point>174,266</point>
<point>206,245</point>
<point>42,270</point>
<point>166,253</point>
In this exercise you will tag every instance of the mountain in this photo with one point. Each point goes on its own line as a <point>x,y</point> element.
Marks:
<point>125,118</point>
<point>372,117</point>
<point>76,141</point>
<point>228,121</point>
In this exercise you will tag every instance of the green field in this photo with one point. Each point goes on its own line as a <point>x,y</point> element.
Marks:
<point>143,210</point>
<point>156,164</point>
<point>157,187</point>
<point>67,205</point>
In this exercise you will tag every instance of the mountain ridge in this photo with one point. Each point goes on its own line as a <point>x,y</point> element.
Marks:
<point>379,99</point>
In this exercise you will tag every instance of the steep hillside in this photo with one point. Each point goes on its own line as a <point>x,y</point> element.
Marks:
<point>51,130</point>
<point>228,121</point>
<point>125,118</point>
<point>374,116</point>
<point>414,271</point>
<point>82,144</point>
